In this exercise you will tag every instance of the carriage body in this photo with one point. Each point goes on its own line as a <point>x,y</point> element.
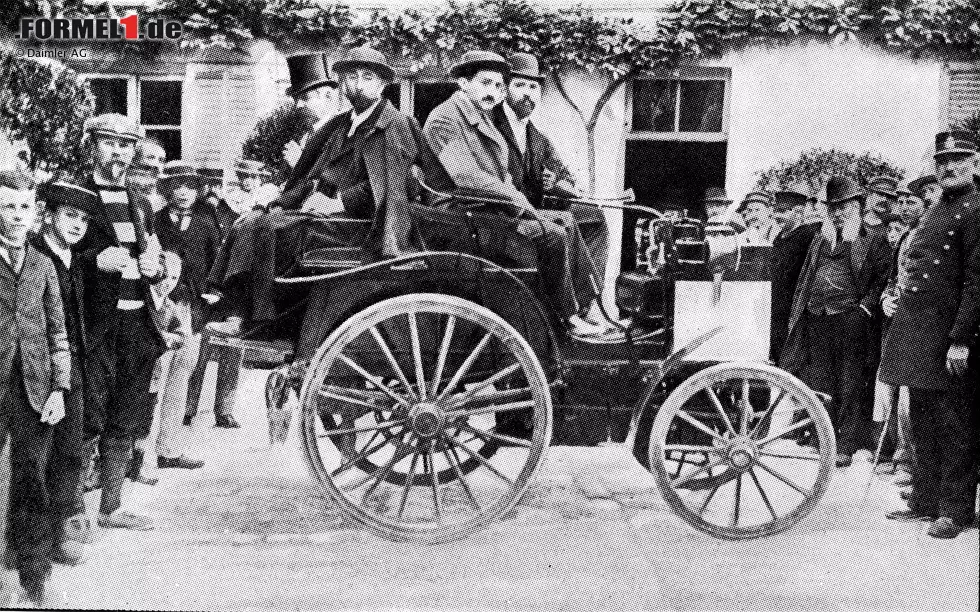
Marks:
<point>431,403</point>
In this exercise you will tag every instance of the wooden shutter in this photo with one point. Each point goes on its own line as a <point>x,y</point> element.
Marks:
<point>964,93</point>
<point>220,112</point>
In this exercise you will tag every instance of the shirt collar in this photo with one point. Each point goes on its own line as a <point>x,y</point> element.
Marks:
<point>356,119</point>
<point>64,254</point>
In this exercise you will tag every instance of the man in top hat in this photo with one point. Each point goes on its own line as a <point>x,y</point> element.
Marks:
<point>882,197</point>
<point>186,227</point>
<point>834,305</point>
<point>789,249</point>
<point>315,94</point>
<point>932,335</point>
<point>756,209</point>
<point>474,154</point>
<point>70,209</point>
<point>252,191</point>
<point>120,258</point>
<point>358,165</point>
<point>537,171</point>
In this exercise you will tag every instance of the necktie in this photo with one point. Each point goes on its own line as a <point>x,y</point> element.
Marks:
<point>16,257</point>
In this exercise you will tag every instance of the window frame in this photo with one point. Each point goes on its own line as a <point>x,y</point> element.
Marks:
<point>132,101</point>
<point>687,73</point>
<point>179,128</point>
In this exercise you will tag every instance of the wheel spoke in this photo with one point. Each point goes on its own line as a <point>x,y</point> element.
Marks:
<point>435,484</point>
<point>377,382</point>
<point>693,448</point>
<point>701,426</point>
<point>486,436</point>
<point>738,501</point>
<point>488,399</point>
<point>447,338</point>
<point>391,360</point>
<point>482,460</point>
<point>768,414</point>
<point>812,457</point>
<point>330,394</point>
<point>453,460</point>
<point>789,483</point>
<point>465,367</point>
<point>711,494</point>
<point>721,409</point>
<point>772,437</point>
<point>511,407</point>
<point>762,492</point>
<point>743,426</point>
<point>459,399</point>
<point>413,326</point>
<point>349,430</point>
<point>399,454</point>
<point>408,485</point>
<point>690,476</point>
<point>364,454</point>
<point>368,476</point>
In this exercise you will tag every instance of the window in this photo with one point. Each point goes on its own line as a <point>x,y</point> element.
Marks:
<point>682,107</point>
<point>111,94</point>
<point>160,104</point>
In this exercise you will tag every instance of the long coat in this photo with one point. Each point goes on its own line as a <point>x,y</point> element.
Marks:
<point>71,284</point>
<point>789,251</point>
<point>472,150</point>
<point>870,257</point>
<point>941,304</point>
<point>197,247</point>
<point>32,323</point>
<point>393,144</point>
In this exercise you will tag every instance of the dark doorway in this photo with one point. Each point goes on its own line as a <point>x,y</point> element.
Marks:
<point>670,175</point>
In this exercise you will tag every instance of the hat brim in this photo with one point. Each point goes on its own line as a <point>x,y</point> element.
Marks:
<point>133,137</point>
<point>496,66</point>
<point>882,192</point>
<point>954,151</point>
<point>540,78</point>
<point>166,182</point>
<point>853,195</point>
<point>311,86</point>
<point>916,185</point>
<point>384,70</point>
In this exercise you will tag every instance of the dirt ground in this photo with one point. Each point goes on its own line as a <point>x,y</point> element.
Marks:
<point>250,531</point>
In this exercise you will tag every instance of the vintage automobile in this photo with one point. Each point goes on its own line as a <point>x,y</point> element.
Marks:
<point>430,407</point>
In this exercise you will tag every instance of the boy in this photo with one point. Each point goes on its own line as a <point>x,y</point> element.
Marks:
<point>69,210</point>
<point>35,366</point>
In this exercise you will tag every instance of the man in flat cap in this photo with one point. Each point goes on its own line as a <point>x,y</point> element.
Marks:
<point>537,172</point>
<point>834,306</point>
<point>932,335</point>
<point>882,197</point>
<point>120,259</point>
<point>756,209</point>
<point>474,154</point>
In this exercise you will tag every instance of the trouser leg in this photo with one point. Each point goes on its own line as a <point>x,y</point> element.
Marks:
<point>226,383</point>
<point>582,270</point>
<point>904,448</point>
<point>69,457</point>
<point>818,373</point>
<point>956,429</point>
<point>850,334</point>
<point>926,472</point>
<point>206,354</point>
<point>592,224</point>
<point>30,503</point>
<point>173,405</point>
<point>553,258</point>
<point>6,555</point>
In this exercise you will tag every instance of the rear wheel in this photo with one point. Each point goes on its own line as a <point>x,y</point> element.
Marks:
<point>724,449</point>
<point>408,417</point>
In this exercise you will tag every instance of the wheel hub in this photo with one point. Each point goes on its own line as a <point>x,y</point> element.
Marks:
<point>427,420</point>
<point>742,453</point>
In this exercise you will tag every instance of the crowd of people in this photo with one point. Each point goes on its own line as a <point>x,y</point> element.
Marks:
<point>109,300</point>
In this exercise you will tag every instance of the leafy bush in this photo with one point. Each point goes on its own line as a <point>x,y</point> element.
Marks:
<point>45,105</point>
<point>272,132</point>
<point>815,166</point>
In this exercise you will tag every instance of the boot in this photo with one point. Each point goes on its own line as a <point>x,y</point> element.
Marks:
<point>135,465</point>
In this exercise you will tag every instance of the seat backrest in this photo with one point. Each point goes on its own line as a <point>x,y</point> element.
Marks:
<point>490,235</point>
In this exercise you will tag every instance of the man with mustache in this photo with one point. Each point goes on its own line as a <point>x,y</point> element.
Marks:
<point>931,339</point>
<point>474,154</point>
<point>537,172</point>
<point>836,296</point>
<point>120,259</point>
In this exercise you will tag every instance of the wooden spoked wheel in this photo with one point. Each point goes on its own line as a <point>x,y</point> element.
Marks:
<point>425,417</point>
<point>742,450</point>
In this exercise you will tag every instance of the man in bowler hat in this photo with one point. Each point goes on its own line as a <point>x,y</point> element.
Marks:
<point>932,335</point>
<point>833,310</point>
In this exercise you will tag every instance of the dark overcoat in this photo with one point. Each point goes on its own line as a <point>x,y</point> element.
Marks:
<point>870,258</point>
<point>789,251</point>
<point>939,307</point>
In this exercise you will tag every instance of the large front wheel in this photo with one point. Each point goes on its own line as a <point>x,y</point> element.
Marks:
<point>425,417</point>
<point>742,450</point>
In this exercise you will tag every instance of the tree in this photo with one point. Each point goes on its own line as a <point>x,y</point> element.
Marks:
<point>971,124</point>
<point>815,166</point>
<point>272,132</point>
<point>44,105</point>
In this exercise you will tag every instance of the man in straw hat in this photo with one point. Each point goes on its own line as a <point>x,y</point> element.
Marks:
<point>537,171</point>
<point>474,153</point>
<point>932,339</point>
<point>834,305</point>
<point>120,256</point>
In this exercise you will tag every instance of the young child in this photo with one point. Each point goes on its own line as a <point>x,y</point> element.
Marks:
<point>69,210</point>
<point>35,367</point>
